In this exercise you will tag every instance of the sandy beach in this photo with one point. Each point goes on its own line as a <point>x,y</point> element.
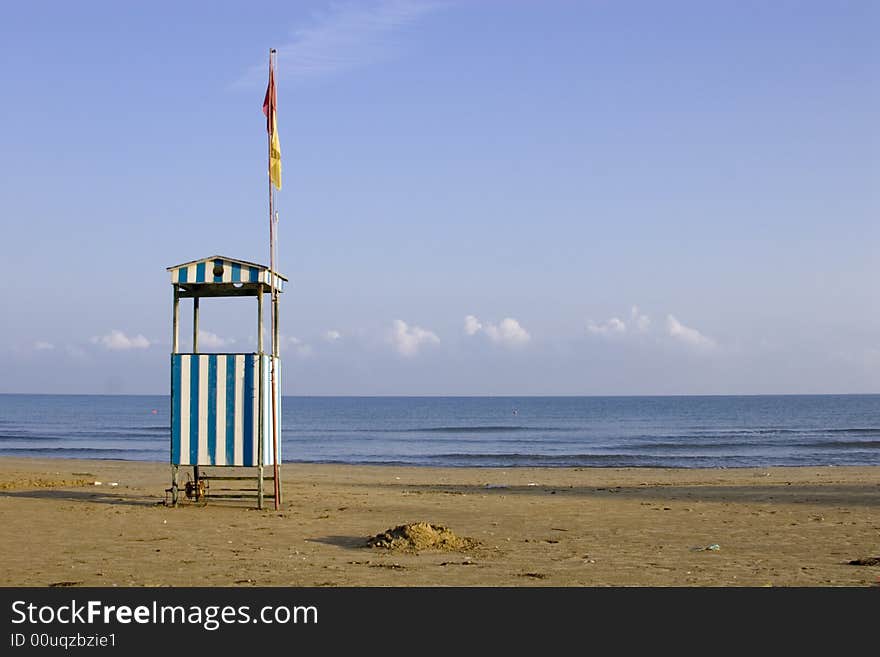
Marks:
<point>528,527</point>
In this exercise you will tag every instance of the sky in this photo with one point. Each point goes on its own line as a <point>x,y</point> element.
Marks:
<point>479,198</point>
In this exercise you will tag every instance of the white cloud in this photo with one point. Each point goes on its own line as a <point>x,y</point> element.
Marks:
<point>332,336</point>
<point>471,325</point>
<point>613,326</point>
<point>508,332</point>
<point>210,340</point>
<point>687,334</point>
<point>638,323</point>
<point>641,322</point>
<point>408,339</point>
<point>345,37</point>
<point>39,345</point>
<point>117,341</point>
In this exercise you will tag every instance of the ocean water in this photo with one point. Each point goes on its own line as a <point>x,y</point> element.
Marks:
<point>699,431</point>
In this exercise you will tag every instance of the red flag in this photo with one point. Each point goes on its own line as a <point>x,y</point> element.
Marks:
<point>269,103</point>
<point>269,106</point>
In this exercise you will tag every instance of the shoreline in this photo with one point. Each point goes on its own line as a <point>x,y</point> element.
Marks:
<point>535,526</point>
<point>427,466</point>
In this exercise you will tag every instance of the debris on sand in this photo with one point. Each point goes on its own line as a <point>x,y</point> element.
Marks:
<point>418,536</point>
<point>707,548</point>
<point>870,561</point>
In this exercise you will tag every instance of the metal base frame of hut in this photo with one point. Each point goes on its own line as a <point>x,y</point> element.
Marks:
<point>225,407</point>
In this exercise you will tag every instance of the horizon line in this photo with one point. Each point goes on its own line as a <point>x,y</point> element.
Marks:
<point>467,396</point>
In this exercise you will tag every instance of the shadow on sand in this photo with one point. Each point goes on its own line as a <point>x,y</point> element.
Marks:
<point>867,494</point>
<point>348,542</point>
<point>82,496</point>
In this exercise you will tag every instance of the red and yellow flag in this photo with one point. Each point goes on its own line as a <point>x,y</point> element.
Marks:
<point>269,105</point>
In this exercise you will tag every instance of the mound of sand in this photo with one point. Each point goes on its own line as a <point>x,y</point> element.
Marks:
<point>418,536</point>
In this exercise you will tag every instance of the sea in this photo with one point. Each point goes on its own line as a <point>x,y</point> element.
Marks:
<point>679,432</point>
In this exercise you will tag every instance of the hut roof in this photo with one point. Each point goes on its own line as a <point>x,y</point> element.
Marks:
<point>220,276</point>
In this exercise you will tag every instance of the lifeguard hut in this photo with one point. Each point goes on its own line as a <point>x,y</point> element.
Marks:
<point>225,410</point>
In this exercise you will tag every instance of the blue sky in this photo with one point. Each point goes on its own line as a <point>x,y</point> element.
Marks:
<point>479,197</point>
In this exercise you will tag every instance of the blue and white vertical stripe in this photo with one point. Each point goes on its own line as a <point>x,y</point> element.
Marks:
<point>215,409</point>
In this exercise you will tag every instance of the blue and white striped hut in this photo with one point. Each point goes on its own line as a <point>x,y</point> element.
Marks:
<point>223,410</point>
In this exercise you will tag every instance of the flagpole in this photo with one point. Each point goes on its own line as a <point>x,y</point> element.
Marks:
<point>274,297</point>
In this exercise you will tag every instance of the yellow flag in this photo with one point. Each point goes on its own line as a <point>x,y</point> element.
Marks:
<point>269,105</point>
<point>275,157</point>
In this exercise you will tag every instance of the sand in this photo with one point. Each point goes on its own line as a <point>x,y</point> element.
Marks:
<point>518,527</point>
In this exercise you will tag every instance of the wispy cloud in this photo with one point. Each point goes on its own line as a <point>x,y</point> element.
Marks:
<point>407,340</point>
<point>294,346</point>
<point>638,323</point>
<point>299,348</point>
<point>508,331</point>
<point>40,345</point>
<point>213,341</point>
<point>118,341</point>
<point>345,37</point>
<point>332,336</point>
<point>614,326</point>
<point>686,334</point>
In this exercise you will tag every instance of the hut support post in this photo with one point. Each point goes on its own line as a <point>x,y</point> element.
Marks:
<point>260,322</point>
<point>175,334</point>
<point>195,351</point>
<point>276,344</point>
<point>175,321</point>
<point>261,388</point>
<point>175,469</point>
<point>195,325</point>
